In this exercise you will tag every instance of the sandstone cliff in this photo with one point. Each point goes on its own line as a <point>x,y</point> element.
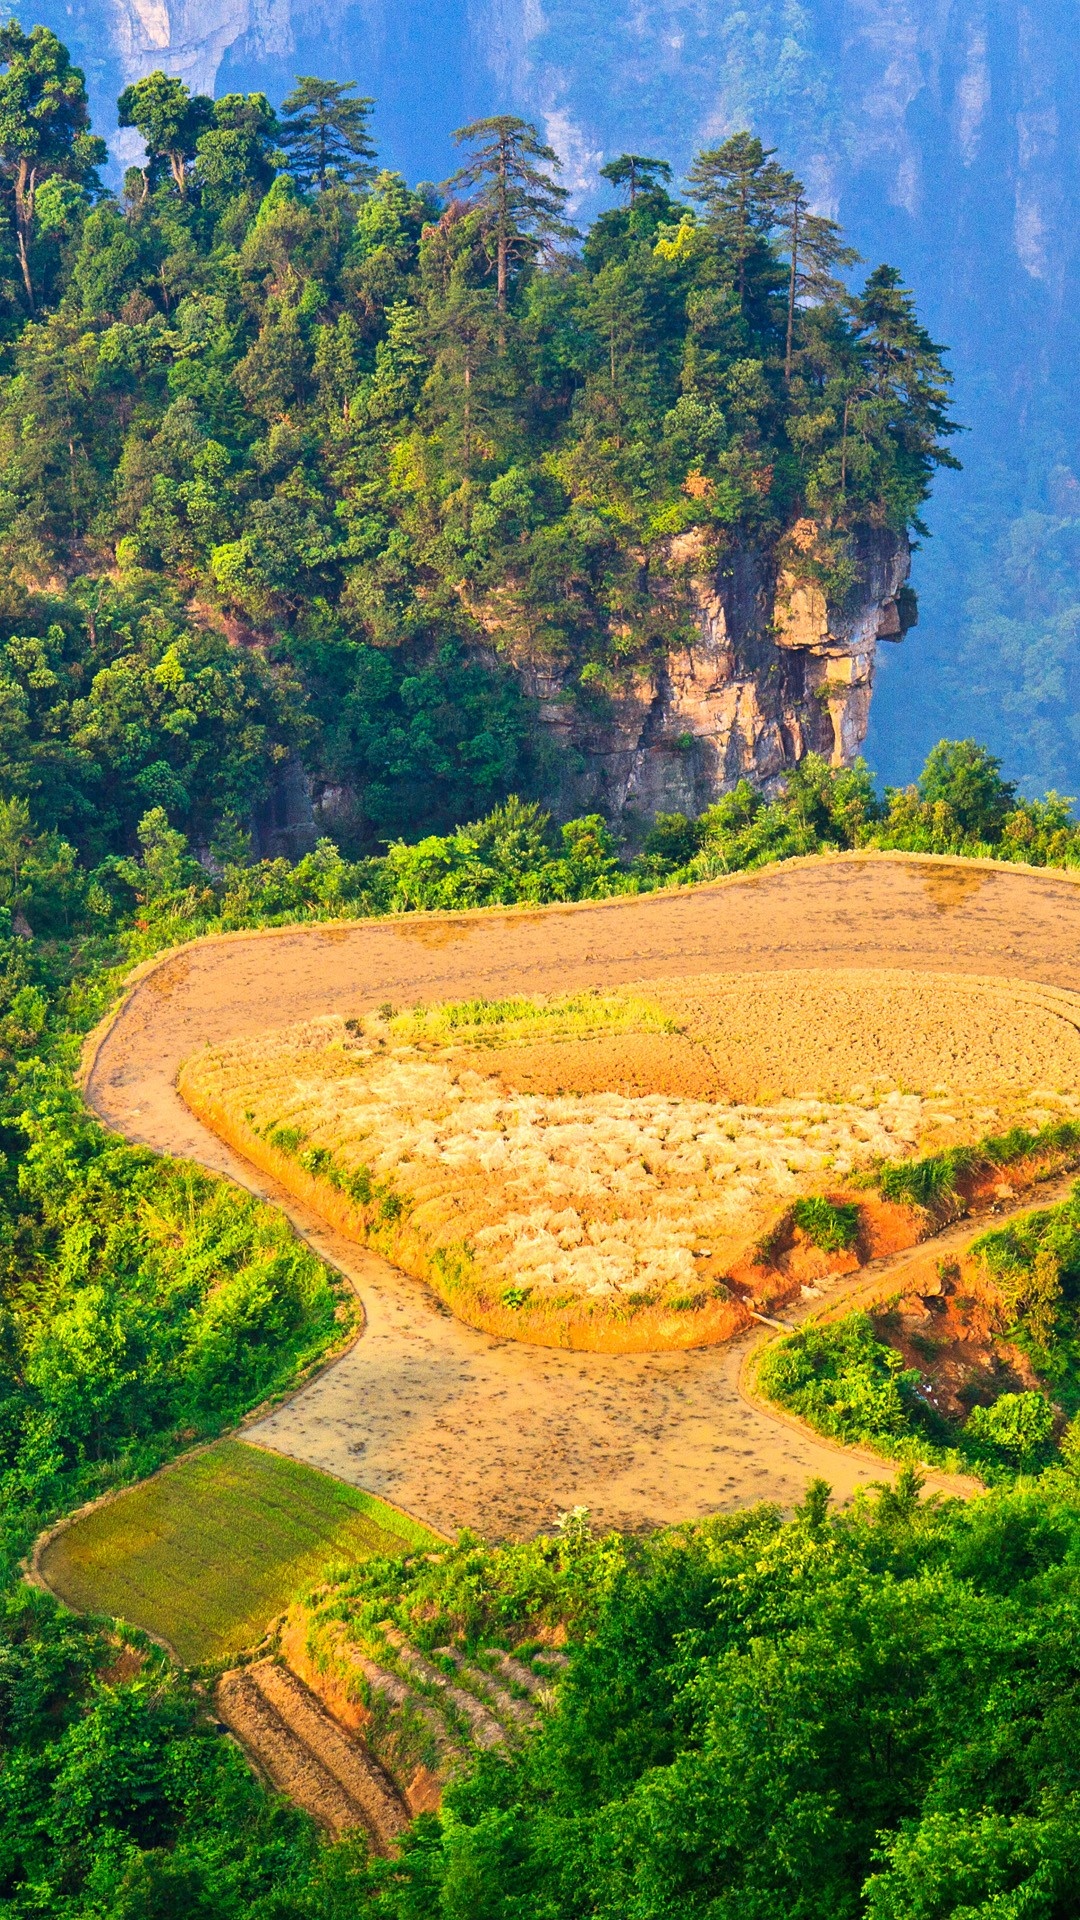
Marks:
<point>776,672</point>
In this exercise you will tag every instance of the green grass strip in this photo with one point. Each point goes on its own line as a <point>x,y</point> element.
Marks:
<point>207,1552</point>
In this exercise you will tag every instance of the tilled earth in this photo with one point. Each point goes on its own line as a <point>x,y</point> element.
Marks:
<point>456,1426</point>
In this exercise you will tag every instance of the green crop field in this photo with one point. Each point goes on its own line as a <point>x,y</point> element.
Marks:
<point>206,1553</point>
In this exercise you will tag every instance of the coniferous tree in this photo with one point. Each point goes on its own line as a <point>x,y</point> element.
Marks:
<point>815,247</point>
<point>522,204</point>
<point>637,173</point>
<point>325,133</point>
<point>742,190</point>
<point>906,394</point>
<point>44,128</point>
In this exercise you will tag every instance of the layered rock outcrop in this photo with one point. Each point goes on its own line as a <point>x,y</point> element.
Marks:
<point>776,671</point>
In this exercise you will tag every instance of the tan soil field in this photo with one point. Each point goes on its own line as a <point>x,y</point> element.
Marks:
<point>577,1215</point>
<point>460,1428</point>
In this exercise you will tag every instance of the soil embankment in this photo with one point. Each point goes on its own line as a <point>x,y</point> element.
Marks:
<point>458,1427</point>
<point>305,1753</point>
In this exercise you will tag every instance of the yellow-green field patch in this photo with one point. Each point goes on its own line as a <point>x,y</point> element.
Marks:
<point>206,1553</point>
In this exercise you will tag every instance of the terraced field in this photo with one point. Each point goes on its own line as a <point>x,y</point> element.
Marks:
<point>463,1428</point>
<point>203,1554</point>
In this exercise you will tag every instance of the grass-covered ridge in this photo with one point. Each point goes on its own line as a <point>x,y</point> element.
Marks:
<point>1016,1291</point>
<point>932,1182</point>
<point>540,1016</point>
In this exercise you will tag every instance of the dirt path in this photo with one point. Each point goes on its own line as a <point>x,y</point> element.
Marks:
<point>456,1427</point>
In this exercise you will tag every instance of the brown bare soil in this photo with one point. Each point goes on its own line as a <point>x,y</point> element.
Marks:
<point>424,1717</point>
<point>457,1427</point>
<point>745,1038</point>
<point>300,1746</point>
<point>282,1755</point>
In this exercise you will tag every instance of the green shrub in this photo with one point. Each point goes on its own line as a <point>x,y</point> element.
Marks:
<point>831,1225</point>
<point>1017,1426</point>
<point>927,1183</point>
<point>843,1380</point>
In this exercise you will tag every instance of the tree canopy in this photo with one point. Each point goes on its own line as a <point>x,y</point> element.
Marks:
<point>403,451</point>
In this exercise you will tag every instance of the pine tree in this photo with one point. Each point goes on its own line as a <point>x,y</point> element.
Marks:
<point>742,191</point>
<point>815,248</point>
<point>522,204</point>
<point>325,133</point>
<point>637,173</point>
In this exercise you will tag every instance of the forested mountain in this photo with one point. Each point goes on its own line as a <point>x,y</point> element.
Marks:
<point>302,462</point>
<point>945,139</point>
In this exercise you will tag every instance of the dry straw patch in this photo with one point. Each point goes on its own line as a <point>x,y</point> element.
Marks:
<point>577,1171</point>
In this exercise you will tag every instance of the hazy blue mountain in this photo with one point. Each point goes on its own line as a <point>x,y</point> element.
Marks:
<point>943,133</point>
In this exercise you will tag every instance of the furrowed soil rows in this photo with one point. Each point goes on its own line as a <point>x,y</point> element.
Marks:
<point>293,1738</point>
<point>456,1426</point>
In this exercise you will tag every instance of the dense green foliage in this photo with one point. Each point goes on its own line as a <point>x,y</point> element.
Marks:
<point>119,1802</point>
<point>868,1715</point>
<point>143,1304</point>
<point>850,1383</point>
<point>298,459</point>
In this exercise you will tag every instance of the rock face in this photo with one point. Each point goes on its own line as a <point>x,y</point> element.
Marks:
<point>775,674</point>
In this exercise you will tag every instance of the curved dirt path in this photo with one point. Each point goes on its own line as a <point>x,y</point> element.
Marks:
<point>459,1428</point>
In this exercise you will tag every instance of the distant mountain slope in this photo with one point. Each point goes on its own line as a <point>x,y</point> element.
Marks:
<point>946,139</point>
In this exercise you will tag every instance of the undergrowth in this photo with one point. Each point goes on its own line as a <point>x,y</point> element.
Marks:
<point>849,1384</point>
<point>831,1225</point>
<point>933,1181</point>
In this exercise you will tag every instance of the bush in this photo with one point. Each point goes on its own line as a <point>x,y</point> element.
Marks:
<point>844,1380</point>
<point>833,1226</point>
<point>1018,1426</point>
<point>927,1183</point>
<point>967,779</point>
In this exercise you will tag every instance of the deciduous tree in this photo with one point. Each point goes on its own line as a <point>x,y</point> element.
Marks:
<point>170,119</point>
<point>44,128</point>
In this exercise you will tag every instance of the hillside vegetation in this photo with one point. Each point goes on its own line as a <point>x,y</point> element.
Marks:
<point>296,458</point>
<point>869,1715</point>
<point>297,462</point>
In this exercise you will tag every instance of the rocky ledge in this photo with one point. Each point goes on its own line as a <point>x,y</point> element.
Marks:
<point>776,671</point>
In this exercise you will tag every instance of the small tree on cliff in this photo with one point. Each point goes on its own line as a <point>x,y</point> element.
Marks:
<point>815,248</point>
<point>742,191</point>
<point>44,128</point>
<point>522,204</point>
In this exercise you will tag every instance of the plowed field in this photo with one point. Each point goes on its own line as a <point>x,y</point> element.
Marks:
<point>462,1428</point>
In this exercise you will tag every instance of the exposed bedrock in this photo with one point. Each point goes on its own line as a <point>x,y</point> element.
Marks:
<point>776,671</point>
